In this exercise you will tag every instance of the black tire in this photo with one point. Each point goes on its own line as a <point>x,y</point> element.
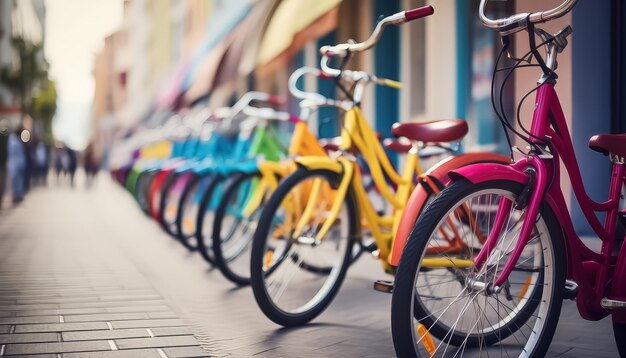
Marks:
<point>619,331</point>
<point>141,189</point>
<point>203,238</point>
<point>190,189</point>
<point>404,306</point>
<point>222,261</point>
<point>168,184</point>
<point>257,273</point>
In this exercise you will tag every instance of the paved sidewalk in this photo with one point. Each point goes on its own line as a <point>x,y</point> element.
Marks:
<point>85,273</point>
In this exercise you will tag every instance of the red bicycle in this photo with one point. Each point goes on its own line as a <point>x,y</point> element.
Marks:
<point>521,210</point>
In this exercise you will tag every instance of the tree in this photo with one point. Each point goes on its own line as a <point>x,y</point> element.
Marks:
<point>31,70</point>
<point>44,108</point>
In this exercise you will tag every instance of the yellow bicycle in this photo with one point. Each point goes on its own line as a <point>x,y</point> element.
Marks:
<point>302,246</point>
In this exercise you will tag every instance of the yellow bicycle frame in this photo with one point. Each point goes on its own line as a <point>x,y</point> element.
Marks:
<point>357,136</point>
<point>304,143</point>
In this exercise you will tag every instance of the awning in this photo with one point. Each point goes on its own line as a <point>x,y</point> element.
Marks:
<point>264,10</point>
<point>221,23</point>
<point>221,66</point>
<point>172,88</point>
<point>245,43</point>
<point>203,80</point>
<point>290,29</point>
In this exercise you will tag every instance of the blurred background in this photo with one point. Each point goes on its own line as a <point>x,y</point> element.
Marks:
<point>75,75</point>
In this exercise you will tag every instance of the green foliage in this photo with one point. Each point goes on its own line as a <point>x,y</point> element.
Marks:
<point>44,108</point>
<point>31,70</point>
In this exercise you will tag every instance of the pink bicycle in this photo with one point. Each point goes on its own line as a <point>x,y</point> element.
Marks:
<point>504,297</point>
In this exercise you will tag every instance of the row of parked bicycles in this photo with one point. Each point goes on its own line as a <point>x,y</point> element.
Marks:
<point>481,246</point>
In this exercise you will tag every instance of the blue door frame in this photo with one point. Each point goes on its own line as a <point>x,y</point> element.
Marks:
<point>387,65</point>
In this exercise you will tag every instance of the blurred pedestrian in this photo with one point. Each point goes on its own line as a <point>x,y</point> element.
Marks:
<point>41,163</point>
<point>16,165</point>
<point>72,164</point>
<point>91,163</point>
<point>4,139</point>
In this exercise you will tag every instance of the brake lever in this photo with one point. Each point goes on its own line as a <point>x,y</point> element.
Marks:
<point>560,39</point>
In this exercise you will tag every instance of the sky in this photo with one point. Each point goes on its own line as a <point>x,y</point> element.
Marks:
<point>75,32</point>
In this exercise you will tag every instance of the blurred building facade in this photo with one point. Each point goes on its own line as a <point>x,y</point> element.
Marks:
<point>182,53</point>
<point>25,20</point>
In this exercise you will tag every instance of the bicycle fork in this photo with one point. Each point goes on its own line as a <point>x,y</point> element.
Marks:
<point>534,200</point>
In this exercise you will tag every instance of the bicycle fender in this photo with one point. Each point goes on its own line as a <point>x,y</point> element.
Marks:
<point>479,173</point>
<point>319,162</point>
<point>436,178</point>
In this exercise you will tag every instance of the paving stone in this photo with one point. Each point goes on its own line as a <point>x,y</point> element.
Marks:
<point>156,342</point>
<point>162,315</point>
<point>154,308</point>
<point>28,338</point>
<point>27,320</point>
<point>59,312</point>
<point>106,304</point>
<point>105,317</point>
<point>58,347</point>
<point>130,353</point>
<point>148,323</point>
<point>60,327</point>
<point>131,297</point>
<point>170,331</point>
<point>185,352</point>
<point>105,334</point>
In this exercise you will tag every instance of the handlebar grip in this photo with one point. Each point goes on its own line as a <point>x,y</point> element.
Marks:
<point>418,13</point>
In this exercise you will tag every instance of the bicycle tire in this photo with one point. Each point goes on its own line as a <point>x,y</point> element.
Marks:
<point>168,184</point>
<point>193,183</point>
<point>257,274</point>
<point>404,305</point>
<point>222,262</point>
<point>203,246</point>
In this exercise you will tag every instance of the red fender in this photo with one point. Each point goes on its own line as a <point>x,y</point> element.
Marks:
<point>436,178</point>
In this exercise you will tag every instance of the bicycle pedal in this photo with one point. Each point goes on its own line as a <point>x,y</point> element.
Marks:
<point>571,290</point>
<point>612,304</point>
<point>383,286</point>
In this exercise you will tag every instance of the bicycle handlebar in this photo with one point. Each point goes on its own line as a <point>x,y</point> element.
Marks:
<point>402,17</point>
<point>356,76</point>
<point>520,21</point>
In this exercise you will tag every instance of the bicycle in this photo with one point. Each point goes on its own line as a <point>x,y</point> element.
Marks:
<point>236,216</point>
<point>521,210</point>
<point>258,137</point>
<point>316,215</point>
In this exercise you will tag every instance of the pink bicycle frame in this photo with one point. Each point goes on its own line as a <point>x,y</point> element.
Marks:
<point>592,271</point>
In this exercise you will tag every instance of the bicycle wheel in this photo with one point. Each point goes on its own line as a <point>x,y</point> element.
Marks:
<point>233,229</point>
<point>188,212</point>
<point>453,310</point>
<point>204,221</point>
<point>286,278</point>
<point>168,203</point>
<point>141,189</point>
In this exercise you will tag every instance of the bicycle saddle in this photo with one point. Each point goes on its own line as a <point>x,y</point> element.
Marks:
<point>448,130</point>
<point>396,145</point>
<point>609,143</point>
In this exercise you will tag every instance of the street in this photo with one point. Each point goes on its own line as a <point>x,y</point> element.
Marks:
<point>84,273</point>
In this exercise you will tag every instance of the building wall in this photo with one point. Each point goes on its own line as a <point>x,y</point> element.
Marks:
<point>159,40</point>
<point>525,80</point>
<point>196,15</point>
<point>6,50</point>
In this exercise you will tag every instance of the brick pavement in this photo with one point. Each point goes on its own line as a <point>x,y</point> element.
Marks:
<point>83,271</point>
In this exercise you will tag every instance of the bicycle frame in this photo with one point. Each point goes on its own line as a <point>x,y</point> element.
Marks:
<point>592,271</point>
<point>356,132</point>
<point>303,142</point>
